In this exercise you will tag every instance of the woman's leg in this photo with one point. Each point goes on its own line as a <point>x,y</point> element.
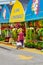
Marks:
<point>21,42</point>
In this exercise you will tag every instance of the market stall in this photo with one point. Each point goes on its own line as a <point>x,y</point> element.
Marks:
<point>25,14</point>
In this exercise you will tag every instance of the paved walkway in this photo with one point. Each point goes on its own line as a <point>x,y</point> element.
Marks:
<point>9,55</point>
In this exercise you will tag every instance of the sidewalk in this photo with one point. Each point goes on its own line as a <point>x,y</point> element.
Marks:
<point>9,55</point>
<point>8,46</point>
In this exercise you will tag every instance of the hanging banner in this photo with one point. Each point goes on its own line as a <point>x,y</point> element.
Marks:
<point>5,14</point>
<point>5,10</point>
<point>20,10</point>
<point>17,12</point>
<point>34,10</point>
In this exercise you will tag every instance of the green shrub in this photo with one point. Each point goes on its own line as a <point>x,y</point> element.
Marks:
<point>35,45</point>
<point>29,34</point>
<point>40,45</point>
<point>30,45</point>
<point>3,33</point>
<point>14,34</point>
<point>1,38</point>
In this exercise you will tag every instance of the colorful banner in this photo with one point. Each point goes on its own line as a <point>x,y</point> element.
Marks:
<point>17,12</point>
<point>20,10</point>
<point>5,14</point>
<point>34,10</point>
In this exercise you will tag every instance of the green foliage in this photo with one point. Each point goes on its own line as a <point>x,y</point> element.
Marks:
<point>14,34</point>
<point>37,45</point>
<point>3,33</point>
<point>41,22</point>
<point>1,38</point>
<point>30,45</point>
<point>30,37</point>
<point>18,30</point>
<point>29,34</point>
<point>40,44</point>
<point>40,32</point>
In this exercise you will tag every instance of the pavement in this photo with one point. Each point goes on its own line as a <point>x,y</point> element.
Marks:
<point>9,55</point>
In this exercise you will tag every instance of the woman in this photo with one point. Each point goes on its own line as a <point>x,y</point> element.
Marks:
<point>21,37</point>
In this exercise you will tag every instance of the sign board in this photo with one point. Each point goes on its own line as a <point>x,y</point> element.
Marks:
<point>20,10</point>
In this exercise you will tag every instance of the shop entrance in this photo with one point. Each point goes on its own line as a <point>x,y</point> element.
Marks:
<point>11,31</point>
